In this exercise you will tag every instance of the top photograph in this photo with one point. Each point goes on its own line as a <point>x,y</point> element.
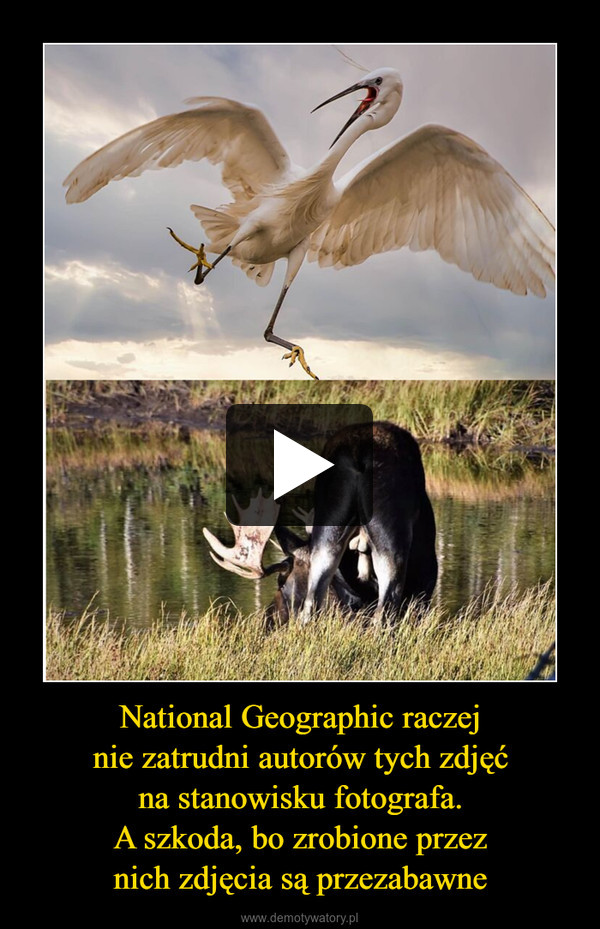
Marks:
<point>300,211</point>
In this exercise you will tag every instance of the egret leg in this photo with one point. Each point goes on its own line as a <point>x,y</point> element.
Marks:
<point>200,276</point>
<point>200,254</point>
<point>295,352</point>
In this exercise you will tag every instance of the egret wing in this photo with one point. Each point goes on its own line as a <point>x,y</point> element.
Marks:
<point>235,135</point>
<point>438,189</point>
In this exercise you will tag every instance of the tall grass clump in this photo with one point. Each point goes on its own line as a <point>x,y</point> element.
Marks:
<point>508,412</point>
<point>494,637</point>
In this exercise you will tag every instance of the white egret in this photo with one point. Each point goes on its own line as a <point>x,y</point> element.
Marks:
<point>436,188</point>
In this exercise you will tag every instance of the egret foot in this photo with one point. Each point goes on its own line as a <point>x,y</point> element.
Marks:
<point>200,254</point>
<point>297,354</point>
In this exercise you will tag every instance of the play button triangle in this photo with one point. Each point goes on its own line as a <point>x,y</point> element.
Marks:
<point>293,464</point>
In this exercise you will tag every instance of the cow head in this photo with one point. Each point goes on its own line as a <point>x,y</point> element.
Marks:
<point>245,557</point>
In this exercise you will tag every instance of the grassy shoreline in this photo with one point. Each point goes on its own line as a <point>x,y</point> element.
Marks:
<point>477,473</point>
<point>493,638</point>
<point>508,413</point>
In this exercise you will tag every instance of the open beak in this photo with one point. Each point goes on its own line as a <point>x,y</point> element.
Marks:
<point>362,107</point>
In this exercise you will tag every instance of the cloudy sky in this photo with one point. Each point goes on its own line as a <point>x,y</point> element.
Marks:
<point>119,301</point>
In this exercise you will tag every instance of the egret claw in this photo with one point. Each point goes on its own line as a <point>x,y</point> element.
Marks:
<point>297,354</point>
<point>200,253</point>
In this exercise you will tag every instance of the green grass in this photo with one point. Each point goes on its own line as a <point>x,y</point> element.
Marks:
<point>493,637</point>
<point>151,446</point>
<point>495,416</point>
<point>478,473</point>
<point>505,412</point>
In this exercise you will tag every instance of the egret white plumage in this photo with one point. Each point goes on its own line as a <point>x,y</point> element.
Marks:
<point>433,189</point>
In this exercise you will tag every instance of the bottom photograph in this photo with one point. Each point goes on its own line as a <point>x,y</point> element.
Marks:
<point>292,531</point>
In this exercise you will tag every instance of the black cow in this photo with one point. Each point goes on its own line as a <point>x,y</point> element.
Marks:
<point>383,559</point>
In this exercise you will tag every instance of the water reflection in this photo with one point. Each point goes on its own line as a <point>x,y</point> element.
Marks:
<point>131,538</point>
<point>508,542</point>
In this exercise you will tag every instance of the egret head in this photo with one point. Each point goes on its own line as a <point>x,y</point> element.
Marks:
<point>384,95</point>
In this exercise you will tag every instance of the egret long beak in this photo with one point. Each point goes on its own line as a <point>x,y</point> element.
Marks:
<point>362,107</point>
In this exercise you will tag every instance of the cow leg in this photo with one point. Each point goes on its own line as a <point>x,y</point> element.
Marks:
<point>389,567</point>
<point>327,545</point>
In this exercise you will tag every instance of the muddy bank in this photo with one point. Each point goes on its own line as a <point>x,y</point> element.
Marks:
<point>173,406</point>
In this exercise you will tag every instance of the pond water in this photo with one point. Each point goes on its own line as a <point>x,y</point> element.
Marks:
<point>130,538</point>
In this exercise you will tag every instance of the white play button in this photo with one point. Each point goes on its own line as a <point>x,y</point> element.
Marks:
<point>293,464</point>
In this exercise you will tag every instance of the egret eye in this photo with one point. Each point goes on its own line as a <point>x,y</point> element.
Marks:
<point>378,80</point>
